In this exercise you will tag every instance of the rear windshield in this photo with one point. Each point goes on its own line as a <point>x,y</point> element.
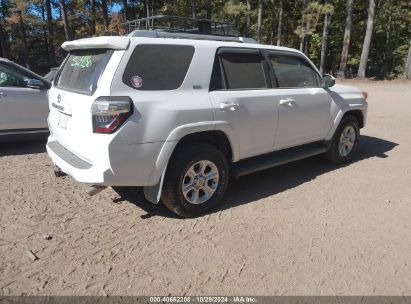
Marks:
<point>82,70</point>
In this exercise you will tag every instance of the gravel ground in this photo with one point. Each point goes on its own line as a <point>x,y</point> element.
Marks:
<point>306,228</point>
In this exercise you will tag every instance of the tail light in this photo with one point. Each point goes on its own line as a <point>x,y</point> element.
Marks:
<point>109,113</point>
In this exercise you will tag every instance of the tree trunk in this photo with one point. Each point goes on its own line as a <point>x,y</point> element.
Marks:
<point>133,9</point>
<point>22,33</point>
<point>50,31</point>
<point>249,7</point>
<point>272,22</point>
<point>303,41</point>
<point>208,9</point>
<point>125,6</point>
<point>387,49</point>
<point>327,19</point>
<point>93,16</point>
<point>304,26</point>
<point>286,32</point>
<point>280,22</point>
<point>3,40</point>
<point>194,8</point>
<point>4,49</point>
<point>46,42</point>
<point>407,70</point>
<point>67,30</point>
<point>346,42</point>
<point>170,8</point>
<point>367,40</point>
<point>307,41</point>
<point>259,19</point>
<point>147,8</point>
<point>105,14</point>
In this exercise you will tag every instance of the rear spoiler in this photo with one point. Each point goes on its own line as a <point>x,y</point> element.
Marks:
<point>113,43</point>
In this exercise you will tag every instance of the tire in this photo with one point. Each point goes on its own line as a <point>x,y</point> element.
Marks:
<point>191,166</point>
<point>336,155</point>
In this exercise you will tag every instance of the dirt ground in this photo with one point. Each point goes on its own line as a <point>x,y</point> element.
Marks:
<point>306,228</point>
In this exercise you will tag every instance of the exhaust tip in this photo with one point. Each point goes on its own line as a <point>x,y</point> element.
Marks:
<point>93,190</point>
<point>58,172</point>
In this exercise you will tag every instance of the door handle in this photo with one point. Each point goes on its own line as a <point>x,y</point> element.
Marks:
<point>2,95</point>
<point>229,106</point>
<point>287,102</point>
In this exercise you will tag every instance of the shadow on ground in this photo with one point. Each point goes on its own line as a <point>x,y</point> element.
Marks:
<point>23,147</point>
<point>276,180</point>
<point>269,182</point>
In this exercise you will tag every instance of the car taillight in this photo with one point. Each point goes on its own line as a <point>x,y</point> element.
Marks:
<point>109,113</point>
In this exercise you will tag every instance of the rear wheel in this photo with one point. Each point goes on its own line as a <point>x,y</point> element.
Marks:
<point>196,180</point>
<point>345,141</point>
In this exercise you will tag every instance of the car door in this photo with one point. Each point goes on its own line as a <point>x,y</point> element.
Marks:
<point>304,106</point>
<point>21,108</point>
<point>241,94</point>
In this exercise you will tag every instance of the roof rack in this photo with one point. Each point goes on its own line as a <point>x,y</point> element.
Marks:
<point>163,26</point>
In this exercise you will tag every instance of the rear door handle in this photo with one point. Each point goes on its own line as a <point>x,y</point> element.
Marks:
<point>2,95</point>
<point>287,102</point>
<point>229,106</point>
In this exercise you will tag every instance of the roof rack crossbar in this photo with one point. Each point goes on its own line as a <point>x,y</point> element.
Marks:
<point>182,24</point>
<point>179,35</point>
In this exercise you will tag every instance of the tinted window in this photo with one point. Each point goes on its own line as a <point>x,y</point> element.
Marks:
<point>243,70</point>
<point>10,77</point>
<point>158,67</point>
<point>82,70</point>
<point>216,82</point>
<point>293,72</point>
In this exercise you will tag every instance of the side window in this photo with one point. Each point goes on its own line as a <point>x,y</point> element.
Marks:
<point>243,70</point>
<point>294,72</point>
<point>158,67</point>
<point>11,78</point>
<point>216,82</point>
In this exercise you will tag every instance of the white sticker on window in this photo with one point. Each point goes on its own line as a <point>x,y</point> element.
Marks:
<point>82,62</point>
<point>137,82</point>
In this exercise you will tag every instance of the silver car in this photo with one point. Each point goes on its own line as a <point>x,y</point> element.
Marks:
<point>23,103</point>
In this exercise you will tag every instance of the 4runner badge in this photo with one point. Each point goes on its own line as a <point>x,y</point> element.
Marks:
<point>137,82</point>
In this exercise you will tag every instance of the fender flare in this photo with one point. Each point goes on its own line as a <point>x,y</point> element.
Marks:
<point>153,193</point>
<point>340,115</point>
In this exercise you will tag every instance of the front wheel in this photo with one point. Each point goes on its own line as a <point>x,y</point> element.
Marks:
<point>344,142</point>
<point>196,180</point>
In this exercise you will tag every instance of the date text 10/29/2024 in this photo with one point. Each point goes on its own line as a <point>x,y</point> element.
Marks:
<point>203,299</point>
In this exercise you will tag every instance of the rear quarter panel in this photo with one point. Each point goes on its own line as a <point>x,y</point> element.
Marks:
<point>157,114</point>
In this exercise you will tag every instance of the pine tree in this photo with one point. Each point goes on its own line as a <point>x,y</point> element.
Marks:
<point>67,29</point>
<point>407,70</point>
<point>280,22</point>
<point>328,10</point>
<point>347,38</point>
<point>367,40</point>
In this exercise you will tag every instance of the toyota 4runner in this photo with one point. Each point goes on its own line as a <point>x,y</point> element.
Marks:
<point>180,116</point>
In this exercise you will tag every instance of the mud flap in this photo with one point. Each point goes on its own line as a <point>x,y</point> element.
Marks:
<point>153,193</point>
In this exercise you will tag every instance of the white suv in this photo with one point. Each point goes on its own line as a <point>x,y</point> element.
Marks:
<point>179,116</point>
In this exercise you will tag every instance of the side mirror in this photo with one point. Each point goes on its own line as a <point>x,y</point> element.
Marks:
<point>328,81</point>
<point>35,84</point>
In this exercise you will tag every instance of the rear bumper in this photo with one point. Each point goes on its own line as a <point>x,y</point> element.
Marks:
<point>129,165</point>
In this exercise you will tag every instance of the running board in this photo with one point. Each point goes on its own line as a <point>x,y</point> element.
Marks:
<point>23,132</point>
<point>267,161</point>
